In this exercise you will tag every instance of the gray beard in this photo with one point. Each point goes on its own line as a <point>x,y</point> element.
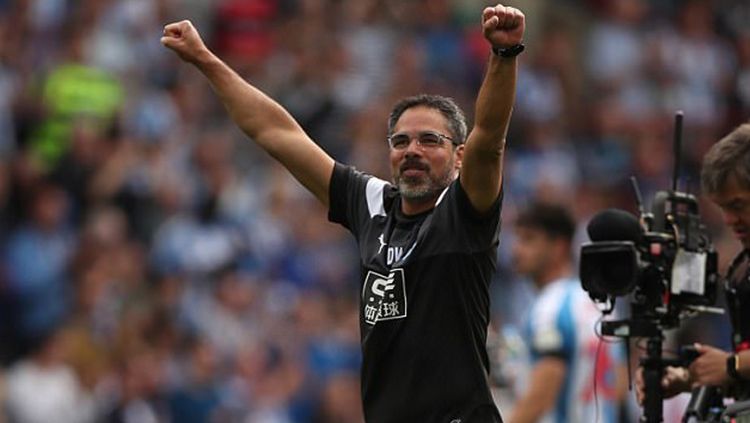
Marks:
<point>424,189</point>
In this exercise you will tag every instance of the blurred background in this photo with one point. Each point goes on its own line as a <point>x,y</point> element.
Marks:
<point>156,266</point>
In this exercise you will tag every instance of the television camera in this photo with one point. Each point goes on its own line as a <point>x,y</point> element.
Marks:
<point>663,261</point>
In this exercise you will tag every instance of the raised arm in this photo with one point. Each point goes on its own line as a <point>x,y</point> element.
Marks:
<point>482,168</point>
<point>259,116</point>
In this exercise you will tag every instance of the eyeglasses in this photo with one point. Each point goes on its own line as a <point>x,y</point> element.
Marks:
<point>427,139</point>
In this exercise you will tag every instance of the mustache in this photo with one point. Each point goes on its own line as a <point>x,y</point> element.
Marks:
<point>415,164</point>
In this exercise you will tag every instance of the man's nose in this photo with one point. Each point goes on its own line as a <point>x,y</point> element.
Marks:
<point>730,218</point>
<point>413,148</point>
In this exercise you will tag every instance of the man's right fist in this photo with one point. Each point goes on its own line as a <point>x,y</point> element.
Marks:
<point>183,38</point>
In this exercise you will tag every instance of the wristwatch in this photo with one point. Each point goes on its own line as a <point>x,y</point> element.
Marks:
<point>508,52</point>
<point>733,367</point>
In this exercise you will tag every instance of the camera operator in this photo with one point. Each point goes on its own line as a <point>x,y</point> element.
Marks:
<point>725,179</point>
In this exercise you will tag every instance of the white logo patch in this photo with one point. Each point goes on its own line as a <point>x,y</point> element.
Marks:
<point>384,297</point>
<point>382,243</point>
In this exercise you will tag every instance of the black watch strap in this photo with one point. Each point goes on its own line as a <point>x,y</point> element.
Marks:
<point>507,52</point>
<point>732,368</point>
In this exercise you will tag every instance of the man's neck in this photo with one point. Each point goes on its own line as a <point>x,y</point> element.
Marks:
<point>411,207</point>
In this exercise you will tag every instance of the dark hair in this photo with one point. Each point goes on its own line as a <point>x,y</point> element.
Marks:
<point>552,219</point>
<point>444,105</point>
<point>728,157</point>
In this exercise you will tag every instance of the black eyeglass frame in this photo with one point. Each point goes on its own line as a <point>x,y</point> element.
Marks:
<point>420,140</point>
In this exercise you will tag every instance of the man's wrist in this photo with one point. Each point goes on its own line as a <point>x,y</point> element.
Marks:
<point>733,367</point>
<point>205,59</point>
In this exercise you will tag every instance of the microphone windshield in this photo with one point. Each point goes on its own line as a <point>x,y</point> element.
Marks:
<point>614,225</point>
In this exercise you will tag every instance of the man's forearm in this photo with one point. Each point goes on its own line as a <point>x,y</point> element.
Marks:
<point>527,410</point>
<point>482,164</point>
<point>270,126</point>
<point>545,382</point>
<point>495,101</point>
<point>258,115</point>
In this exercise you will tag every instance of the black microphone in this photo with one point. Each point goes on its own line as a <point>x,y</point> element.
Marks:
<point>609,264</point>
<point>614,225</point>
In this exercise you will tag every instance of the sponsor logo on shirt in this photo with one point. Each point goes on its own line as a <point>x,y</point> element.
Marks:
<point>384,297</point>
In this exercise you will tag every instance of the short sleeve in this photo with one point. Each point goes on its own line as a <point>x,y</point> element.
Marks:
<point>355,197</point>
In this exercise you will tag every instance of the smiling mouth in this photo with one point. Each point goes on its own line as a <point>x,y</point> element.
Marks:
<point>413,171</point>
<point>413,166</point>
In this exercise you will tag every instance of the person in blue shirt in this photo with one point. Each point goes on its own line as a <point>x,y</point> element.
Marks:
<point>570,375</point>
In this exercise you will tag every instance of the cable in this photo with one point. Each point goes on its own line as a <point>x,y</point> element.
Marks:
<point>602,340</point>
<point>596,378</point>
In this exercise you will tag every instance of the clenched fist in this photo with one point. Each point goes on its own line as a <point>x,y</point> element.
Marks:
<point>184,39</point>
<point>503,26</point>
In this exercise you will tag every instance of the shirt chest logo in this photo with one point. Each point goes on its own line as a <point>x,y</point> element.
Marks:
<point>393,254</point>
<point>384,297</point>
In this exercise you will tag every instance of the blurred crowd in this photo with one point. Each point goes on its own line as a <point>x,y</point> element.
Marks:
<point>156,266</point>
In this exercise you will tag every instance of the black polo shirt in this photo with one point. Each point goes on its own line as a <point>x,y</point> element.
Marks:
<point>424,306</point>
